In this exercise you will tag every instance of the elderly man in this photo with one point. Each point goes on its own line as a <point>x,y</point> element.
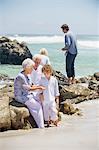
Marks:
<point>24,92</point>
<point>37,71</point>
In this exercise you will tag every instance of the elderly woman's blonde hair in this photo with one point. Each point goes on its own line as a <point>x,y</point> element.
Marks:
<point>43,51</point>
<point>27,63</point>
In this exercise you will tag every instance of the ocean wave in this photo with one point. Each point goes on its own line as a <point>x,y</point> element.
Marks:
<point>38,39</point>
<point>86,44</point>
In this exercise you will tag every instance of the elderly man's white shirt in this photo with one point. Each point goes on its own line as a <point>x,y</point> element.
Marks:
<point>36,75</point>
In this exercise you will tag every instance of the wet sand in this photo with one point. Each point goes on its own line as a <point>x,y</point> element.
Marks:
<point>74,133</point>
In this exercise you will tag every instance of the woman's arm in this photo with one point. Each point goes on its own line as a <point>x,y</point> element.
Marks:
<point>36,87</point>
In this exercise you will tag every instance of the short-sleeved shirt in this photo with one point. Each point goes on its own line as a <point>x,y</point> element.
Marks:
<point>51,90</point>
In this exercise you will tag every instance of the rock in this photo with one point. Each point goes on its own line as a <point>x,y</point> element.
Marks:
<point>78,90</point>
<point>12,52</point>
<point>65,94</point>
<point>2,86</point>
<point>98,90</point>
<point>96,75</point>
<point>18,116</point>
<point>4,39</point>
<point>68,108</point>
<point>5,122</point>
<point>93,85</point>
<point>5,89</point>
<point>62,80</point>
<point>83,80</point>
<point>73,91</point>
<point>3,77</point>
<point>84,85</point>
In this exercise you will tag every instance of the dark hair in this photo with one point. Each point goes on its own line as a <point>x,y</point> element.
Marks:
<point>65,26</point>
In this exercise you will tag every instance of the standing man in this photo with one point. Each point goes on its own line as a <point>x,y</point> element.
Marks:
<point>70,52</point>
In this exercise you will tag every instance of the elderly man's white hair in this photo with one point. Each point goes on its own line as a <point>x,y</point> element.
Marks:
<point>27,63</point>
<point>37,57</point>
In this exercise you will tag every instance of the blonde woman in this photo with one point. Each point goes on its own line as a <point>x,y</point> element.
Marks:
<point>44,57</point>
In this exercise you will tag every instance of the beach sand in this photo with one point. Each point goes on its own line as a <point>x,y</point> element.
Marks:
<point>74,133</point>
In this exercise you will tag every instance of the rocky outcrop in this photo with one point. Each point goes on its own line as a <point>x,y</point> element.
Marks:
<point>5,122</point>
<point>18,116</point>
<point>13,52</point>
<point>85,88</point>
<point>14,115</point>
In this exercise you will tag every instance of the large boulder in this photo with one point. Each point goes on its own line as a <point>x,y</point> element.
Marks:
<point>73,91</point>
<point>74,94</point>
<point>18,115</point>
<point>5,121</point>
<point>78,89</point>
<point>62,80</point>
<point>13,115</point>
<point>13,52</point>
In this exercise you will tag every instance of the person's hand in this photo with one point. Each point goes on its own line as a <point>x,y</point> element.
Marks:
<point>42,88</point>
<point>64,49</point>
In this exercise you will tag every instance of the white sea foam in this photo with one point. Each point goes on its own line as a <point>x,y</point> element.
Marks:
<point>86,44</point>
<point>39,39</point>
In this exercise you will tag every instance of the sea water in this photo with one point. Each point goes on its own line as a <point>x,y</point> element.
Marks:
<point>87,60</point>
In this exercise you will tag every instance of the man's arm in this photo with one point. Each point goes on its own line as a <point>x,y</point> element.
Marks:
<point>67,43</point>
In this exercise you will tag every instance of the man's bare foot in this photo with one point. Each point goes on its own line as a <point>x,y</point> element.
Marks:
<point>73,80</point>
<point>69,81</point>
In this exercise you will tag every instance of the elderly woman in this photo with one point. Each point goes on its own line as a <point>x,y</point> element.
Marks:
<point>25,93</point>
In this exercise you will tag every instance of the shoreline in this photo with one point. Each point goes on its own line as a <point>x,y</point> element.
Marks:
<point>74,133</point>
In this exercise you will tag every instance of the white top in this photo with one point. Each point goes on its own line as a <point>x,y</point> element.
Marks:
<point>51,90</point>
<point>45,60</point>
<point>36,75</point>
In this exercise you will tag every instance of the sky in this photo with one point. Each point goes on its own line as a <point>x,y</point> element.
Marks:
<point>46,16</point>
